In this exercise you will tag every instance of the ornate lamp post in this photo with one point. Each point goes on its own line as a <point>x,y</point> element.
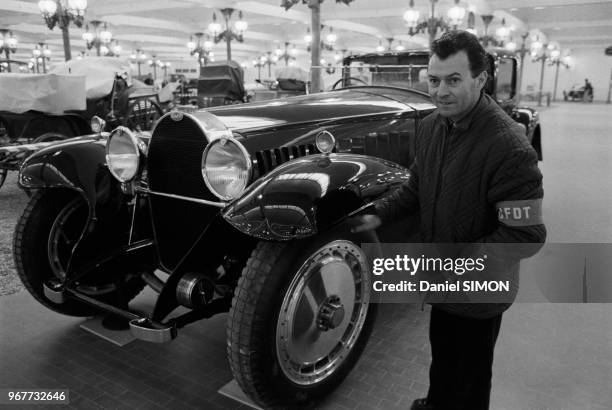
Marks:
<point>287,55</point>
<point>41,54</point>
<point>138,58</point>
<point>201,50</point>
<point>8,45</point>
<point>61,13</point>
<point>228,34</point>
<point>259,62</point>
<point>327,43</point>
<point>98,38</point>
<point>433,24</point>
<point>165,66</point>
<point>154,63</point>
<point>557,59</point>
<point>270,61</point>
<point>541,52</point>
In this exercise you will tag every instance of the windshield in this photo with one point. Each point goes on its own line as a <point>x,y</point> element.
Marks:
<point>391,71</point>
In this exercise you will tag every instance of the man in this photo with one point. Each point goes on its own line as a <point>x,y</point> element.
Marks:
<point>472,163</point>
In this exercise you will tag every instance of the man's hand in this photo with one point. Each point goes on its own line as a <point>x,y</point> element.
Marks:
<point>365,223</point>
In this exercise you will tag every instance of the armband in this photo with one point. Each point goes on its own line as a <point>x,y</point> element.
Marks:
<point>525,212</point>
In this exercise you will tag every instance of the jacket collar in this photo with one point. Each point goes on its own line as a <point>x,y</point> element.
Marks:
<point>466,121</point>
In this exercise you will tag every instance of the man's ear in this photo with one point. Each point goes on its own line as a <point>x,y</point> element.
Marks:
<point>481,79</point>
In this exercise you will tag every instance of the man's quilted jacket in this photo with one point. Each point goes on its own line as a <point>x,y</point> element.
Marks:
<point>462,172</point>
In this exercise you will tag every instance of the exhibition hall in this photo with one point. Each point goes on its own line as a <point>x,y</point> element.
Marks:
<point>306,204</point>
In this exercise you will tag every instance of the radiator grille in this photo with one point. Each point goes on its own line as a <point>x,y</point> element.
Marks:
<point>266,160</point>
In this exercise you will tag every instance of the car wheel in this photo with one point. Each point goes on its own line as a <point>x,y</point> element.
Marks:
<point>300,318</point>
<point>45,234</point>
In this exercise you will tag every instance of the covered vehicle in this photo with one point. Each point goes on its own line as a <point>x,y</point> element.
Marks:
<point>221,84</point>
<point>60,104</point>
<point>36,109</point>
<point>243,208</point>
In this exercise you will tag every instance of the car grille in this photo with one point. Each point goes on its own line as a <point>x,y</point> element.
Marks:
<point>266,160</point>
<point>174,167</point>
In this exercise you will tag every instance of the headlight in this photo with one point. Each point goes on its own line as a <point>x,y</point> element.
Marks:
<point>325,142</point>
<point>123,154</point>
<point>97,124</point>
<point>226,168</point>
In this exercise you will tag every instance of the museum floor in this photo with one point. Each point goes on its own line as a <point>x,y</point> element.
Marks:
<point>548,356</point>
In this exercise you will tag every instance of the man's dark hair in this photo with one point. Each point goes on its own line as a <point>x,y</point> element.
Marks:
<point>452,42</point>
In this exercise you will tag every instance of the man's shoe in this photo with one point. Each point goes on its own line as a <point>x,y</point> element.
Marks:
<point>421,404</point>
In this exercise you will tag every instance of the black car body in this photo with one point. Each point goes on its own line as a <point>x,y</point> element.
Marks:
<point>243,208</point>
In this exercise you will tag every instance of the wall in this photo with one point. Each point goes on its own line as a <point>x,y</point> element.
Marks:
<point>589,63</point>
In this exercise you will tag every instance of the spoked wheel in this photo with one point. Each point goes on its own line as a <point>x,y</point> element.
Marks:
<point>300,318</point>
<point>142,115</point>
<point>45,236</point>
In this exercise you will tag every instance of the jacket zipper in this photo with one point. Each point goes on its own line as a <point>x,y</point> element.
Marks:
<point>439,181</point>
<point>437,192</point>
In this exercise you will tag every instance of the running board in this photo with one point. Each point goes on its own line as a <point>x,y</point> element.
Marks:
<point>141,327</point>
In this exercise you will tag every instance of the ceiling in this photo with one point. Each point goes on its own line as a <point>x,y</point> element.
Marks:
<point>162,27</point>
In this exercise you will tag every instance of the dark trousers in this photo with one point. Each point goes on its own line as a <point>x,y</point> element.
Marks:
<point>462,360</point>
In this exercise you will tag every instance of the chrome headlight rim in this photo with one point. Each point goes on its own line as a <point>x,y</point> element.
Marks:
<point>137,148</point>
<point>247,157</point>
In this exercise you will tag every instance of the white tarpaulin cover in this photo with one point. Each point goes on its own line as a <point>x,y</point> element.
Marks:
<point>294,73</point>
<point>49,93</point>
<point>99,71</point>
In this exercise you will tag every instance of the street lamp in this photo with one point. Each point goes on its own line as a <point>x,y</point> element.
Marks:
<point>270,61</point>
<point>433,24</point>
<point>201,50</point>
<point>228,34</point>
<point>541,52</point>
<point>138,58</point>
<point>61,13</point>
<point>556,58</point>
<point>8,45</point>
<point>287,55</point>
<point>41,54</point>
<point>259,62</point>
<point>155,63</point>
<point>98,38</point>
<point>165,66</point>
<point>327,43</point>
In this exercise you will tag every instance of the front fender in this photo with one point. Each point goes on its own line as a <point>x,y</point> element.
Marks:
<point>308,195</point>
<point>77,164</point>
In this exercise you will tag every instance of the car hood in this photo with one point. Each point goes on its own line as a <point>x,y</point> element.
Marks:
<point>315,107</point>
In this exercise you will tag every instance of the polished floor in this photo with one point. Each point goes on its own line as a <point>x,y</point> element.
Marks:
<point>549,356</point>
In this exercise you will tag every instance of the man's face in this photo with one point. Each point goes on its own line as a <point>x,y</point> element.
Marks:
<point>451,86</point>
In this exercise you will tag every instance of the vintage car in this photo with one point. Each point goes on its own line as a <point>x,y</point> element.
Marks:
<point>220,84</point>
<point>242,208</point>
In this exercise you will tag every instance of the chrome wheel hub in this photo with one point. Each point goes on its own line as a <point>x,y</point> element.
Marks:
<point>323,312</point>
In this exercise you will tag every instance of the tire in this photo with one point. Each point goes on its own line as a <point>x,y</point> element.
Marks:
<point>272,314</point>
<point>50,136</point>
<point>50,216</point>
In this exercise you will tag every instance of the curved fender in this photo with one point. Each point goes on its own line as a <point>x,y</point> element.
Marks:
<point>78,164</point>
<point>305,196</point>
